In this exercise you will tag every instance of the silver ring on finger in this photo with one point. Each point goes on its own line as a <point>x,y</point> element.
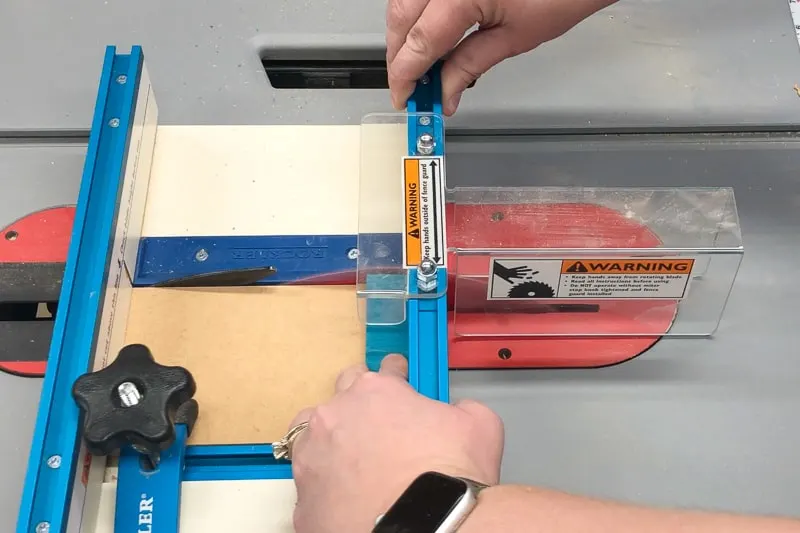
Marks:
<point>283,448</point>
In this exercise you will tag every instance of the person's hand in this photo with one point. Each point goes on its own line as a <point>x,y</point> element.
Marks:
<point>364,447</point>
<point>420,32</point>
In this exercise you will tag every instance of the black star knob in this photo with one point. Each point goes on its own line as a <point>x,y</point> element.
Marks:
<point>135,401</point>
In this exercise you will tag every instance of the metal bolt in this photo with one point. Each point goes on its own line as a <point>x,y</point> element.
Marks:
<point>504,354</point>
<point>141,449</point>
<point>201,255</point>
<point>425,80</point>
<point>425,144</point>
<point>425,121</point>
<point>426,275</point>
<point>114,122</point>
<point>352,253</point>
<point>54,461</point>
<point>122,79</point>
<point>427,266</point>
<point>129,394</point>
<point>43,527</point>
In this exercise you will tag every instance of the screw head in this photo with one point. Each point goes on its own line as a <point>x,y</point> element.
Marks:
<point>425,144</point>
<point>129,394</point>
<point>426,275</point>
<point>425,121</point>
<point>352,253</point>
<point>201,255</point>
<point>427,267</point>
<point>54,461</point>
<point>114,122</point>
<point>504,354</point>
<point>425,80</point>
<point>122,79</point>
<point>43,527</point>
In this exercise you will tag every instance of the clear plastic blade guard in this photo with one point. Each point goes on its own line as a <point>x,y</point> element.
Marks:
<point>401,218</point>
<point>591,262</point>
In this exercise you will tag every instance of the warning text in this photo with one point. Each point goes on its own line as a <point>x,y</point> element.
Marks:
<point>622,286</point>
<point>591,266</point>
<point>424,210</point>
<point>623,279</point>
<point>412,250</point>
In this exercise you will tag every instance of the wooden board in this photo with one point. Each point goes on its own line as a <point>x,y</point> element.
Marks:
<point>258,354</point>
<point>277,180</point>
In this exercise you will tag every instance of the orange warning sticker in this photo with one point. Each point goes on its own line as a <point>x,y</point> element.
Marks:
<point>412,250</point>
<point>423,193</point>
<point>627,266</point>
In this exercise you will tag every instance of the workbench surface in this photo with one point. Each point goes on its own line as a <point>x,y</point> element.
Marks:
<point>696,423</point>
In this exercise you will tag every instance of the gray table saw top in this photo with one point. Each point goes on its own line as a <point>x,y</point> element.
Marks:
<point>696,423</point>
<point>641,63</point>
<point>32,177</point>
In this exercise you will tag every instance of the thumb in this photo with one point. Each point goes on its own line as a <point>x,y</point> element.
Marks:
<point>474,55</point>
<point>488,428</point>
<point>490,424</point>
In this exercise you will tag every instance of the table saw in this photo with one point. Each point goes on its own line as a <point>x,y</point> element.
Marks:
<point>695,422</point>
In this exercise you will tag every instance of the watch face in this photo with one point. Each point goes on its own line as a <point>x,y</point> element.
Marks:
<point>424,506</point>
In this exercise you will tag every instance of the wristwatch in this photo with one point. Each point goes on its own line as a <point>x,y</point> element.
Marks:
<point>433,503</point>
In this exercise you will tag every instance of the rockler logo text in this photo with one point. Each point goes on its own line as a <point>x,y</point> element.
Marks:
<point>300,252</point>
<point>145,514</point>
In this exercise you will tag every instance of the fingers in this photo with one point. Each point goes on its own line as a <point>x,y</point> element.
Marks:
<point>400,17</point>
<point>392,365</point>
<point>434,33</point>
<point>300,417</point>
<point>476,54</point>
<point>349,376</point>
<point>395,365</point>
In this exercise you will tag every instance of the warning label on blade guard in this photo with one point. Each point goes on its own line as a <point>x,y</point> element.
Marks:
<point>423,190</point>
<point>621,279</point>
